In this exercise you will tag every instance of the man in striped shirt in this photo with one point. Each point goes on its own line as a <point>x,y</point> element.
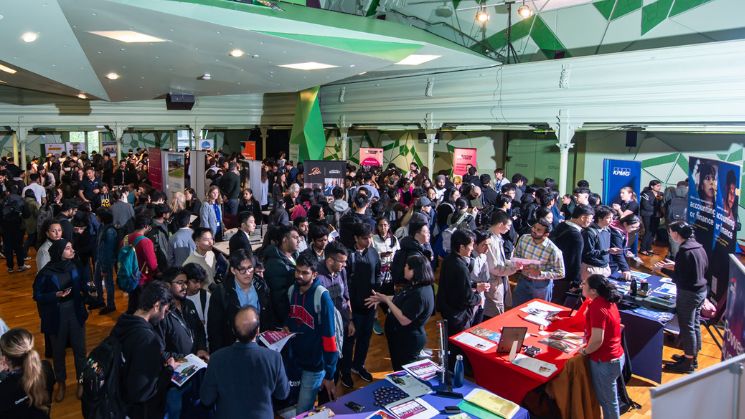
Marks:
<point>536,280</point>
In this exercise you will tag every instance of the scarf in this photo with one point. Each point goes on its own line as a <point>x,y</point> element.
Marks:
<point>56,263</point>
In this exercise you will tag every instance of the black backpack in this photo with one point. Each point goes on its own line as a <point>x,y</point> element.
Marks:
<point>100,379</point>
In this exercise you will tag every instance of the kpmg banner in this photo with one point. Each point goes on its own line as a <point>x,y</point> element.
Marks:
<point>371,157</point>
<point>324,174</point>
<point>713,197</point>
<point>734,316</point>
<point>618,174</point>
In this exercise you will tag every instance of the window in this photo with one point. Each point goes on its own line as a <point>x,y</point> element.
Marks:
<point>183,139</point>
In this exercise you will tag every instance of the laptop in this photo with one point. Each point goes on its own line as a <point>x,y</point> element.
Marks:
<point>510,336</point>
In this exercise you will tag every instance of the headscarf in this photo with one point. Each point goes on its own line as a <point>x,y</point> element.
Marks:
<point>57,263</point>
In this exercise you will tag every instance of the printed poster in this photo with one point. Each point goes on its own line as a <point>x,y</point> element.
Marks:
<point>618,174</point>
<point>249,150</point>
<point>155,168</point>
<point>55,149</point>
<point>734,315</point>
<point>109,147</point>
<point>371,157</point>
<point>463,158</point>
<point>324,174</point>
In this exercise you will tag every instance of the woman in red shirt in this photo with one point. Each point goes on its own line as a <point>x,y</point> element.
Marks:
<point>603,336</point>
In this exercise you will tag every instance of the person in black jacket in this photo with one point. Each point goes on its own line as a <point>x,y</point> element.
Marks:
<point>26,382</point>
<point>250,204</point>
<point>182,334</point>
<point>13,213</point>
<point>416,243</point>
<point>230,186</point>
<point>456,299</point>
<point>488,194</point>
<point>597,249</point>
<point>691,268</point>
<point>568,238</point>
<point>650,211</point>
<point>241,289</point>
<point>242,238</point>
<point>619,233</point>
<point>145,376</point>
<point>363,276</point>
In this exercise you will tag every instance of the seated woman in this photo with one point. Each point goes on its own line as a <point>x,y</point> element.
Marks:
<point>25,382</point>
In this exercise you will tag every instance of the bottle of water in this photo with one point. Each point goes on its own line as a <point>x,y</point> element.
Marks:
<point>458,372</point>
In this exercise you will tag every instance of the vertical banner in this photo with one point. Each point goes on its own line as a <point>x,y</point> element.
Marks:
<point>371,157</point>
<point>462,158</point>
<point>618,174</point>
<point>176,173</point>
<point>197,172</point>
<point>155,168</point>
<point>734,316</point>
<point>249,150</point>
<point>324,174</point>
<point>713,197</point>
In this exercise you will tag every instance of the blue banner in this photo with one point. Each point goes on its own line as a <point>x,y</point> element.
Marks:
<point>734,315</point>
<point>618,174</point>
<point>713,197</point>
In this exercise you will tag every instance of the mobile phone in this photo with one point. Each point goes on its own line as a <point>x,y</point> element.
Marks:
<point>356,407</point>
<point>452,410</point>
<point>68,289</point>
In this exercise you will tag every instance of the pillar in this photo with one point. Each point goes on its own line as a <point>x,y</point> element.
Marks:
<point>264,135</point>
<point>564,128</point>
<point>431,134</point>
<point>118,133</point>
<point>14,138</point>
<point>197,129</point>
<point>344,136</point>
<point>22,133</point>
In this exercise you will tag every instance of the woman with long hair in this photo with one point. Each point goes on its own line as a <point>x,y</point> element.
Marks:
<point>26,387</point>
<point>688,272</point>
<point>193,204</point>
<point>211,213</point>
<point>249,203</point>
<point>60,293</point>
<point>628,204</point>
<point>620,233</point>
<point>408,312</point>
<point>603,337</point>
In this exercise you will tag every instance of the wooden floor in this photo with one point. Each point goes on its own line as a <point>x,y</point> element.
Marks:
<point>18,309</point>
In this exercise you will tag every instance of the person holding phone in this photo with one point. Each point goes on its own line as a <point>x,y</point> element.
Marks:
<point>60,294</point>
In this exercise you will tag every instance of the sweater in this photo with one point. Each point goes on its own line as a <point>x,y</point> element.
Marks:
<point>569,240</point>
<point>691,267</point>
<point>596,245</point>
<point>208,262</point>
<point>145,251</point>
<point>364,276</point>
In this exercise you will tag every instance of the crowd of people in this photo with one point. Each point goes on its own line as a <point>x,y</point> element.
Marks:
<point>332,269</point>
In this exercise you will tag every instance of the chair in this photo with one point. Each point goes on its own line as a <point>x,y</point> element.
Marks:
<point>712,322</point>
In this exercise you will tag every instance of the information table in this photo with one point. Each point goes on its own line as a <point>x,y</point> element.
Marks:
<point>364,396</point>
<point>496,373</point>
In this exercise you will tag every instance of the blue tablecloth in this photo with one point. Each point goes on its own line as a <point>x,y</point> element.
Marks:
<point>364,396</point>
<point>644,330</point>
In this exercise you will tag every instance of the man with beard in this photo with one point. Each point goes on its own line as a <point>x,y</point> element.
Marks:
<point>536,280</point>
<point>145,377</point>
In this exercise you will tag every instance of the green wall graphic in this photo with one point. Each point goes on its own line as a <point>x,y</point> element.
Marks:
<point>307,129</point>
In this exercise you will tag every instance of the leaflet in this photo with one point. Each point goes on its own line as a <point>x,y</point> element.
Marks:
<point>275,339</point>
<point>413,409</point>
<point>475,342</point>
<point>186,368</point>
<point>423,370</point>
<point>537,366</point>
<point>492,403</point>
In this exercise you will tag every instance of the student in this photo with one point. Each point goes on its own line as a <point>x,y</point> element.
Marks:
<point>26,383</point>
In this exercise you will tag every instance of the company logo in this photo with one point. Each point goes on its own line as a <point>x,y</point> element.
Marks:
<point>314,171</point>
<point>621,171</point>
<point>334,172</point>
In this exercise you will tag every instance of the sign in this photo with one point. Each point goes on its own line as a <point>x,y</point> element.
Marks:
<point>155,168</point>
<point>462,159</point>
<point>176,172</point>
<point>108,147</point>
<point>55,149</point>
<point>249,150</point>
<point>206,144</point>
<point>324,174</point>
<point>618,174</point>
<point>77,147</point>
<point>734,315</point>
<point>713,197</point>
<point>371,157</point>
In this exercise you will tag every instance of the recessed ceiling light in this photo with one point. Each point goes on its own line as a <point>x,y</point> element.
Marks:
<point>416,59</point>
<point>2,81</point>
<point>30,36</point>
<point>236,53</point>
<point>82,96</point>
<point>128,36</point>
<point>311,65</point>
<point>112,76</point>
<point>7,69</point>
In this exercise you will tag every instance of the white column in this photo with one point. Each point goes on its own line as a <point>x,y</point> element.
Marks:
<point>22,133</point>
<point>14,138</point>
<point>197,135</point>
<point>564,129</point>
<point>344,136</point>
<point>264,135</point>
<point>431,134</point>
<point>118,133</point>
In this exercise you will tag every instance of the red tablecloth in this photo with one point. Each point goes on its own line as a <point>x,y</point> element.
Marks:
<point>497,374</point>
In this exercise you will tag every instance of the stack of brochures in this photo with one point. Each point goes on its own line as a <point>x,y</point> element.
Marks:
<point>424,370</point>
<point>483,404</point>
<point>564,341</point>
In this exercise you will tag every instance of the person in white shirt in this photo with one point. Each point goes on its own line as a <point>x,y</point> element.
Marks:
<point>195,278</point>
<point>500,267</point>
<point>203,255</point>
<point>39,192</point>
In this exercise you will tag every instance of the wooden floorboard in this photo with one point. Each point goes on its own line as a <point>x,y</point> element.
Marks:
<point>18,309</point>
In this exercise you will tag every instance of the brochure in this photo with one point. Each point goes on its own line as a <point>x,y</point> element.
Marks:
<point>186,368</point>
<point>492,403</point>
<point>537,366</point>
<point>536,319</point>
<point>542,310</point>
<point>486,334</point>
<point>564,341</point>
<point>423,370</point>
<point>475,342</point>
<point>380,414</point>
<point>275,339</point>
<point>412,409</point>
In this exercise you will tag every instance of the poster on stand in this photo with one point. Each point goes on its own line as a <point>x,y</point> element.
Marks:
<point>77,147</point>
<point>462,159</point>
<point>249,150</point>
<point>324,174</point>
<point>55,149</point>
<point>713,198</point>
<point>155,168</point>
<point>176,171</point>
<point>206,144</point>
<point>371,157</point>
<point>734,315</point>
<point>109,147</point>
<point>618,174</point>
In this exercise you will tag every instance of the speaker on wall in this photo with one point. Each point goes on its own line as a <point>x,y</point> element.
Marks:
<point>179,102</point>
<point>631,138</point>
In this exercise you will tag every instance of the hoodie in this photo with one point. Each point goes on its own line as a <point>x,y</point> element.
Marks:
<point>144,375</point>
<point>314,348</point>
<point>691,267</point>
<point>409,246</point>
<point>280,274</point>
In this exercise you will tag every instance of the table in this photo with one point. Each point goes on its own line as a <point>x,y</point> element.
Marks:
<point>364,396</point>
<point>224,247</point>
<point>645,332</point>
<point>497,374</point>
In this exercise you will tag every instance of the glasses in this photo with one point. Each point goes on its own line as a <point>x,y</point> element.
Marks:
<point>245,269</point>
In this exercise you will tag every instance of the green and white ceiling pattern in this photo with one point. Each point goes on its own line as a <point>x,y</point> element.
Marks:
<point>585,27</point>
<point>194,39</point>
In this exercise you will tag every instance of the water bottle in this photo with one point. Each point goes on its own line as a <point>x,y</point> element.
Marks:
<point>458,372</point>
<point>633,287</point>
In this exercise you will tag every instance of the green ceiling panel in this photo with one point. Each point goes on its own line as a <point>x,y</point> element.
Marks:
<point>681,6</point>
<point>545,38</point>
<point>373,8</point>
<point>656,161</point>
<point>736,156</point>
<point>307,128</point>
<point>605,7</point>
<point>655,13</point>
<point>520,29</point>
<point>614,9</point>
<point>392,51</point>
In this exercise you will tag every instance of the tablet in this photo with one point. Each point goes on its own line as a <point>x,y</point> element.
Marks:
<point>509,336</point>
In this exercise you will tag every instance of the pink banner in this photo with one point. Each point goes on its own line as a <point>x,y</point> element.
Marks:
<point>371,157</point>
<point>462,158</point>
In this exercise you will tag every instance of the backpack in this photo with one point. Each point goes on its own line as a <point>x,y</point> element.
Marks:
<point>12,213</point>
<point>100,380</point>
<point>128,272</point>
<point>160,256</point>
<point>462,223</point>
<point>338,321</point>
<point>676,209</point>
